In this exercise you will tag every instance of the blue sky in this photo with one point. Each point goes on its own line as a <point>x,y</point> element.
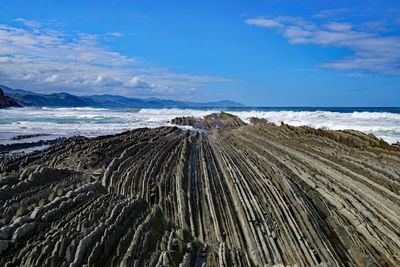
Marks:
<point>262,53</point>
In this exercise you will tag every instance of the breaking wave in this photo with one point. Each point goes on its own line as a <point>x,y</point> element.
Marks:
<point>99,121</point>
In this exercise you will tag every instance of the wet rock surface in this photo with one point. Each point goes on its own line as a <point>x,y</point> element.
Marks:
<point>246,195</point>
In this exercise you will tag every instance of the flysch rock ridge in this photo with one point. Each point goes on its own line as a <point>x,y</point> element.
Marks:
<point>233,195</point>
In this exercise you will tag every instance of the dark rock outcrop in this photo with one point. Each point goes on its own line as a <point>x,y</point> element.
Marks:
<point>6,101</point>
<point>248,195</point>
<point>28,136</point>
<point>221,120</point>
<point>20,147</point>
<point>261,121</point>
<point>188,121</point>
<point>212,121</point>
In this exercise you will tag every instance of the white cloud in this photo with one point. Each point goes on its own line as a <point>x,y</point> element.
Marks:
<point>138,83</point>
<point>264,22</point>
<point>28,23</point>
<point>296,34</point>
<point>372,51</point>
<point>50,60</point>
<point>328,13</point>
<point>49,79</point>
<point>116,34</point>
<point>375,26</point>
<point>338,26</point>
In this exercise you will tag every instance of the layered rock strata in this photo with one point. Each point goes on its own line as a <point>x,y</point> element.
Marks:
<point>237,195</point>
<point>212,121</point>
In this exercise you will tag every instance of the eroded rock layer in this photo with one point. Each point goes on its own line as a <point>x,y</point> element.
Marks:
<point>247,195</point>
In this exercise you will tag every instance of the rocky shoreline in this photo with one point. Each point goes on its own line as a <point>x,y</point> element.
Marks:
<point>232,195</point>
<point>28,136</point>
<point>21,147</point>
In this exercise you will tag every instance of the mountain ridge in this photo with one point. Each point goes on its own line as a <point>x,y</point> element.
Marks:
<point>63,99</point>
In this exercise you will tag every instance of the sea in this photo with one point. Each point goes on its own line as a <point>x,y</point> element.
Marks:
<point>66,122</point>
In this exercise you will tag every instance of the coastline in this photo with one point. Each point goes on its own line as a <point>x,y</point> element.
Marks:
<point>229,194</point>
<point>89,122</point>
<point>28,141</point>
<point>40,127</point>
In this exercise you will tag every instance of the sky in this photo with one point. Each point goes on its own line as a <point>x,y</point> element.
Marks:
<point>257,52</point>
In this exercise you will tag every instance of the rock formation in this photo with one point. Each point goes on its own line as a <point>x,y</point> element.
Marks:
<point>237,195</point>
<point>213,121</point>
<point>6,101</point>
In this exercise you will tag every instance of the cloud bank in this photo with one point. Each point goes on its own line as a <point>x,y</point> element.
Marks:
<point>372,50</point>
<point>34,56</point>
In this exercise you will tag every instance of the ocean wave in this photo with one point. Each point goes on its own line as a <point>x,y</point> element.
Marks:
<point>95,121</point>
<point>382,124</point>
<point>75,108</point>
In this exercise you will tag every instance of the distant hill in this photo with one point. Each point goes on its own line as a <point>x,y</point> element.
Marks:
<point>12,91</point>
<point>28,98</point>
<point>6,101</point>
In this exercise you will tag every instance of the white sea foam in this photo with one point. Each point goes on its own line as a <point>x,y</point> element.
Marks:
<point>98,121</point>
<point>382,124</point>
